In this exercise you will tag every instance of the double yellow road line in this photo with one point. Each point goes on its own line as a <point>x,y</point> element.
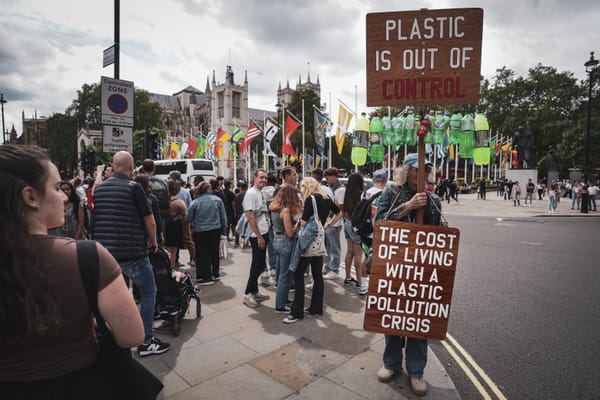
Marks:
<point>472,369</point>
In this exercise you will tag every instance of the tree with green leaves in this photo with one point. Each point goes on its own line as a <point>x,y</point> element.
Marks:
<point>62,142</point>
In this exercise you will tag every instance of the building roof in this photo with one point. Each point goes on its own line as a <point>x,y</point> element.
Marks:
<point>258,115</point>
<point>189,89</point>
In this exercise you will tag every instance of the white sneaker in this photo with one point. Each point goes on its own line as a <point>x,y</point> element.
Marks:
<point>309,286</point>
<point>331,275</point>
<point>260,296</point>
<point>250,300</point>
<point>418,386</point>
<point>364,286</point>
<point>384,374</point>
<point>265,276</point>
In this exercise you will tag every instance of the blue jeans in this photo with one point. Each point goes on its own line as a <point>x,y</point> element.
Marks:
<point>140,272</point>
<point>334,248</point>
<point>416,355</point>
<point>283,245</point>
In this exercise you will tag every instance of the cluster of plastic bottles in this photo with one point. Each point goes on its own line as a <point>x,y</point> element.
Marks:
<point>371,137</point>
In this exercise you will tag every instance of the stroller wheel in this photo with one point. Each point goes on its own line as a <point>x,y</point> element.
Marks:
<point>176,325</point>
<point>198,308</point>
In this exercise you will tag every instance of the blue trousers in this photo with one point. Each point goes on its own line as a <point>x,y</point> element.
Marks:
<point>416,354</point>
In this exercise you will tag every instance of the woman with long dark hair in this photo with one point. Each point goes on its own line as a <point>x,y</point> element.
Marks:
<point>354,252</point>
<point>46,326</point>
<point>73,226</point>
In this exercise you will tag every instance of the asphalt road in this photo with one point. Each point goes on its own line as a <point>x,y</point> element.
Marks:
<point>526,307</point>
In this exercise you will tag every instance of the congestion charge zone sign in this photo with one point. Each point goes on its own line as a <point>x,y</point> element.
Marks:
<point>117,101</point>
<point>425,57</point>
<point>411,281</point>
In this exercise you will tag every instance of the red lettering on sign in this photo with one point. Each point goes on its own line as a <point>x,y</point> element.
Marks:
<point>432,88</point>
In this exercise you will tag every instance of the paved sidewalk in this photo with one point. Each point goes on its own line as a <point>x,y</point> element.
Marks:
<point>496,206</point>
<point>235,352</point>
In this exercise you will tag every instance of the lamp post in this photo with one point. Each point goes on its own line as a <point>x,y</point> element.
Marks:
<point>590,65</point>
<point>2,102</point>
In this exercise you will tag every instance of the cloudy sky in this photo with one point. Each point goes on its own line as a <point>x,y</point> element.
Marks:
<point>49,49</point>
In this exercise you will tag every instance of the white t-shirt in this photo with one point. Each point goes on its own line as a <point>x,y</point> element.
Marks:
<point>254,200</point>
<point>592,190</point>
<point>338,199</point>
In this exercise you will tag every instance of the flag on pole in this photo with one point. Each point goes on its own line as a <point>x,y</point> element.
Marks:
<point>211,139</point>
<point>344,118</point>
<point>222,138</point>
<point>192,147</point>
<point>321,124</point>
<point>270,131</point>
<point>201,149</point>
<point>167,151</point>
<point>253,132</point>
<point>183,149</point>
<point>290,126</point>
<point>174,153</point>
<point>237,136</point>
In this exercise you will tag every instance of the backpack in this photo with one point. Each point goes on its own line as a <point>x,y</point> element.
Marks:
<point>159,188</point>
<point>362,221</point>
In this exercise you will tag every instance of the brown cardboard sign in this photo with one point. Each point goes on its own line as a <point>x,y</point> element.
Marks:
<point>428,57</point>
<point>412,278</point>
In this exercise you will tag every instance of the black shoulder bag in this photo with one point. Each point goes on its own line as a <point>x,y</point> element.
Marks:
<point>129,379</point>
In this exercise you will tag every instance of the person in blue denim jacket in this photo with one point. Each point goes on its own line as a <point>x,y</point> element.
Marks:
<point>209,222</point>
<point>285,219</point>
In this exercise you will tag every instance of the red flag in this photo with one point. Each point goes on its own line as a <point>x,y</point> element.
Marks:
<point>192,147</point>
<point>220,134</point>
<point>253,132</point>
<point>290,126</point>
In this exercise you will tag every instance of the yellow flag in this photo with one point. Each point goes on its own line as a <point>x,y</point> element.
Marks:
<point>344,118</point>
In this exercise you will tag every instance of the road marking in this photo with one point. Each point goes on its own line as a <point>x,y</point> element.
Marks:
<point>475,366</point>
<point>532,243</point>
<point>467,371</point>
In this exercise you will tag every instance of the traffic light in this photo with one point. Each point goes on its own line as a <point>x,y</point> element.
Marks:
<point>151,145</point>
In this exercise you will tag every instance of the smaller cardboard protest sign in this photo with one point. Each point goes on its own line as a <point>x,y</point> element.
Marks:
<point>412,278</point>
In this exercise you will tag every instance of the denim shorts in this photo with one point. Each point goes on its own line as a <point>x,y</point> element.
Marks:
<point>349,233</point>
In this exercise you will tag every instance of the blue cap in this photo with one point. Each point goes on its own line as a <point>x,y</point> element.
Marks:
<point>380,175</point>
<point>412,160</point>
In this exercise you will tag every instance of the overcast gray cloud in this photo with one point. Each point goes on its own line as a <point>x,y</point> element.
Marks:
<point>50,49</point>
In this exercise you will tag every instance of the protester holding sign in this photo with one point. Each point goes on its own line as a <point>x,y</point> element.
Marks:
<point>400,202</point>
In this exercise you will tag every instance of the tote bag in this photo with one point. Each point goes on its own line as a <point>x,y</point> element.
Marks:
<point>316,248</point>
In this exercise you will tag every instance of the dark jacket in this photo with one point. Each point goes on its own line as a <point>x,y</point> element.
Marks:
<point>118,218</point>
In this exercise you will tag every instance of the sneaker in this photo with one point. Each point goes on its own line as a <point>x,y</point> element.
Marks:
<point>284,310</point>
<point>216,278</point>
<point>250,301</point>
<point>205,282</point>
<point>290,319</point>
<point>364,286</point>
<point>331,275</point>
<point>349,281</point>
<point>309,286</point>
<point>260,296</point>
<point>418,386</point>
<point>154,347</point>
<point>384,374</point>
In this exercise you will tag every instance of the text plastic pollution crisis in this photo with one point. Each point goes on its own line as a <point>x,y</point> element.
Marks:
<point>430,57</point>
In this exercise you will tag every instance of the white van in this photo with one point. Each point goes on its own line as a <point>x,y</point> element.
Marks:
<point>189,168</point>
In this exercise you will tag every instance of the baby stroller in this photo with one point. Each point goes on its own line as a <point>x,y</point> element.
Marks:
<point>174,291</point>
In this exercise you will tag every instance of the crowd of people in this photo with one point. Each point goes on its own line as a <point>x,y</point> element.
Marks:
<point>131,217</point>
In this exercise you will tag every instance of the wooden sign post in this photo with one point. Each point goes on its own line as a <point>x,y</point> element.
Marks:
<point>411,282</point>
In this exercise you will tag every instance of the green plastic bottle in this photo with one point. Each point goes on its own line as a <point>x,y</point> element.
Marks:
<point>358,156</point>
<point>455,127</point>
<point>375,139</point>
<point>388,133</point>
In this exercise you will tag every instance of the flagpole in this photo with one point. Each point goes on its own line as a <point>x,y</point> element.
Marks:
<point>356,108</point>
<point>331,116</point>
<point>265,159</point>
<point>303,145</point>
